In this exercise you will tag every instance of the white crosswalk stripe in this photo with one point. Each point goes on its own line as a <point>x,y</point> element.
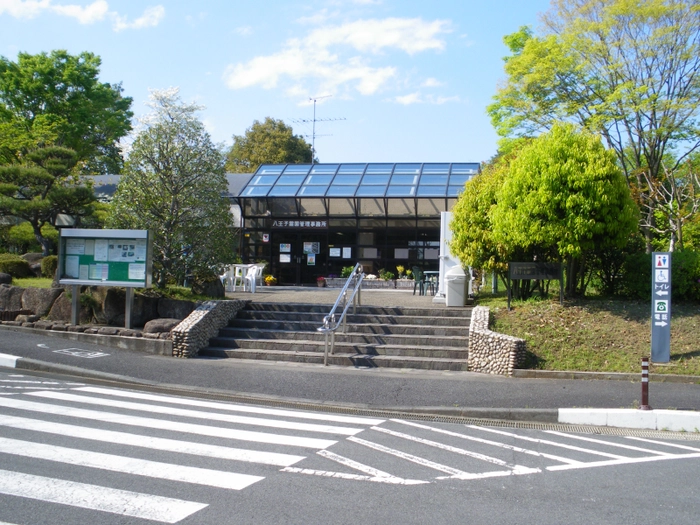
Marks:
<point>55,426</point>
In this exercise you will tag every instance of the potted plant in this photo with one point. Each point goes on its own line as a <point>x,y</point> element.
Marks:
<point>321,282</point>
<point>270,280</point>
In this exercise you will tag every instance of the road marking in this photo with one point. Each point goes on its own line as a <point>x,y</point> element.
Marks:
<point>28,381</point>
<point>489,442</point>
<point>625,461</point>
<point>517,469</point>
<point>375,473</point>
<point>161,424</point>
<point>77,352</point>
<point>355,477</point>
<point>209,416</point>
<point>232,407</point>
<point>161,444</point>
<point>410,457</point>
<point>674,445</point>
<point>94,497</point>
<point>127,465</point>
<point>601,442</point>
<point>550,443</point>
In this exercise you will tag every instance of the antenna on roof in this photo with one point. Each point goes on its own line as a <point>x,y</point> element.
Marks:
<point>313,133</point>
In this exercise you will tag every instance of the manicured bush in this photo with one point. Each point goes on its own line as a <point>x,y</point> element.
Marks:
<point>685,276</point>
<point>14,265</point>
<point>49,264</point>
<point>346,271</point>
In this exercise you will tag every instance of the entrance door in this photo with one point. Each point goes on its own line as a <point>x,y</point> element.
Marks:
<point>299,258</point>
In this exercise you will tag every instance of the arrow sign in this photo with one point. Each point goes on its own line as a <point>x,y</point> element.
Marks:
<point>661,308</point>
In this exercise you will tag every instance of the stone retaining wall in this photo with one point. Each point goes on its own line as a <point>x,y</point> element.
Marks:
<point>490,352</point>
<point>193,334</point>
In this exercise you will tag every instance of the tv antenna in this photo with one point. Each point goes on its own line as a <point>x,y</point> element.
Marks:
<point>313,129</point>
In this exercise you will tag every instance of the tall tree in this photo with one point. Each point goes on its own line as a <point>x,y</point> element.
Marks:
<point>57,99</point>
<point>174,185</point>
<point>565,198</point>
<point>42,187</point>
<point>269,142</point>
<point>627,69</point>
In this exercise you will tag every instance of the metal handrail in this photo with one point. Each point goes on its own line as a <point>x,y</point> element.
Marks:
<point>351,293</point>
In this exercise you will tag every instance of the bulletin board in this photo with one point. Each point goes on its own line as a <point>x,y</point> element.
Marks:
<point>105,258</point>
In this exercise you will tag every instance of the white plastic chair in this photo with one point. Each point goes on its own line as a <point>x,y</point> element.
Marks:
<point>237,277</point>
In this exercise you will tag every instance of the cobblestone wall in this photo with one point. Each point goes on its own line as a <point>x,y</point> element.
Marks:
<point>193,333</point>
<point>490,352</point>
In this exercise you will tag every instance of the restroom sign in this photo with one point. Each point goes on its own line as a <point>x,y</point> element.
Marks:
<point>661,307</point>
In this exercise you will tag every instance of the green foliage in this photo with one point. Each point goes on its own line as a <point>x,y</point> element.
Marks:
<point>174,185</point>
<point>57,98</point>
<point>43,187</point>
<point>625,69</point>
<point>346,271</point>
<point>14,265</point>
<point>49,264</point>
<point>269,142</point>
<point>685,276</point>
<point>387,276</point>
<point>21,238</point>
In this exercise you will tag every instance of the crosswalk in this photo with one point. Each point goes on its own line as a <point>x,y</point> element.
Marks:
<point>86,447</point>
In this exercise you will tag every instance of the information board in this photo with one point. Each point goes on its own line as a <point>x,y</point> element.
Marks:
<point>661,307</point>
<point>105,258</point>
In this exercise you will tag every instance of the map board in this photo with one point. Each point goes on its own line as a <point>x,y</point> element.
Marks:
<point>105,258</point>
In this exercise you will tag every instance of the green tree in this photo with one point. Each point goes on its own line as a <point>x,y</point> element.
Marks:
<point>174,185</point>
<point>57,99</point>
<point>627,69</point>
<point>42,187</point>
<point>565,199</point>
<point>269,142</point>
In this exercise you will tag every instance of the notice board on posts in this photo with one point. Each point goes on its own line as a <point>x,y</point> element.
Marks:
<point>105,258</point>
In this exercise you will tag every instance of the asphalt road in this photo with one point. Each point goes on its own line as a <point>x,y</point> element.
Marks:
<point>72,452</point>
<point>375,388</point>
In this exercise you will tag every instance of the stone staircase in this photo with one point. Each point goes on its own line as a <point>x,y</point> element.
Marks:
<point>426,338</point>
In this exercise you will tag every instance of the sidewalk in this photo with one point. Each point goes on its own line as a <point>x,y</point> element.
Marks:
<point>419,392</point>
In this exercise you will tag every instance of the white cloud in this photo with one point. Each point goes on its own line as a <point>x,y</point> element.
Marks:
<point>151,17</point>
<point>411,35</point>
<point>23,9</point>
<point>90,14</point>
<point>431,82</point>
<point>243,30</point>
<point>328,56</point>
<point>97,11</point>
<point>407,100</point>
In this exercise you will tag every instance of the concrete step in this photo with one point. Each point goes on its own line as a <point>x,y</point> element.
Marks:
<point>314,317</point>
<point>395,348</point>
<point>241,325</point>
<point>341,359</point>
<point>361,309</point>
<point>228,335</point>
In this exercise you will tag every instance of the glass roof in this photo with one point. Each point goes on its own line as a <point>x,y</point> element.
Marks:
<point>360,180</point>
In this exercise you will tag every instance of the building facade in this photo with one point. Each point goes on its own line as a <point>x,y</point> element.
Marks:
<point>311,220</point>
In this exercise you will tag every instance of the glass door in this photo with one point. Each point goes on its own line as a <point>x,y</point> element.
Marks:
<point>299,258</point>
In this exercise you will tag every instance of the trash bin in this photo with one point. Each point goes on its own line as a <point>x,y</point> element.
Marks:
<point>455,286</point>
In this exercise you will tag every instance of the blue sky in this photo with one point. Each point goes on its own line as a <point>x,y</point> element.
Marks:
<point>411,78</point>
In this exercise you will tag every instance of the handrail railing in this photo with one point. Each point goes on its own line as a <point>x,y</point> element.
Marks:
<point>351,293</point>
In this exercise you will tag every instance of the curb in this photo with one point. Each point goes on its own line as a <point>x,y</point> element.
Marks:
<point>609,376</point>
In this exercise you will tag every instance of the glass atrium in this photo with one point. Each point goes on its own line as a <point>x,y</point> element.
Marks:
<point>311,220</point>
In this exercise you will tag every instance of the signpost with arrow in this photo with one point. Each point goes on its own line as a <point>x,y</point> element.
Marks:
<point>661,307</point>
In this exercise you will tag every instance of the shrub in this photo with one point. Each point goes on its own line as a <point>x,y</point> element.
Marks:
<point>14,265</point>
<point>685,275</point>
<point>346,271</point>
<point>49,264</point>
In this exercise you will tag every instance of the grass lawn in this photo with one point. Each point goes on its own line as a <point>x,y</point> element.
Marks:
<point>596,335</point>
